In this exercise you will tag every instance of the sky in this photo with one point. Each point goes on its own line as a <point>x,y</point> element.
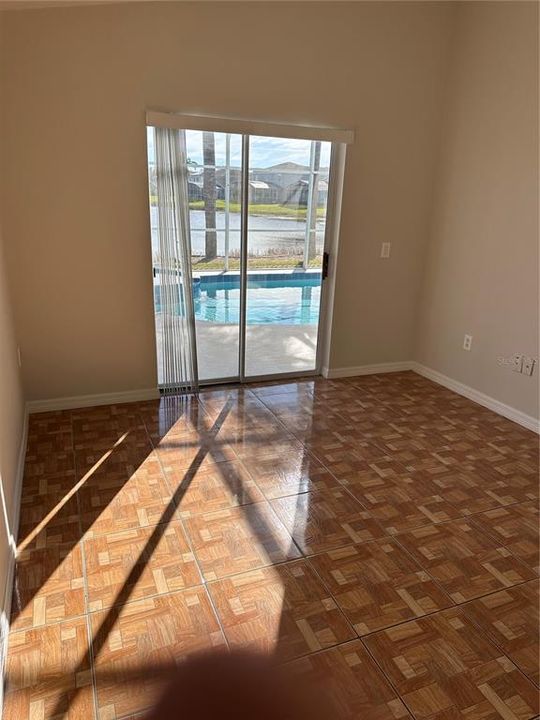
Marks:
<point>263,151</point>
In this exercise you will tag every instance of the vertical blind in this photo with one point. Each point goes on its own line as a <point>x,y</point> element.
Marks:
<point>177,350</point>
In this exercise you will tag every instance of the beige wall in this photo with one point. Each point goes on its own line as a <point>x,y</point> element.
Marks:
<point>77,82</point>
<point>482,267</point>
<point>11,413</point>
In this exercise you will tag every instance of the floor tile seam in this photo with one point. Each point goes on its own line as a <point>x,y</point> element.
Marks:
<point>462,607</point>
<point>49,624</point>
<point>464,518</point>
<point>503,507</point>
<point>159,439</point>
<point>386,677</point>
<point>337,412</point>
<point>292,543</point>
<point>278,419</point>
<point>402,622</point>
<point>480,512</point>
<point>371,461</point>
<point>195,557</point>
<point>375,519</point>
<point>208,452</point>
<point>430,574</point>
<point>203,585</point>
<point>84,538</point>
<point>268,500</point>
<point>434,612</point>
<point>486,635</point>
<point>90,535</point>
<point>440,586</point>
<point>263,501</point>
<point>254,479</point>
<point>331,595</point>
<point>312,455</point>
<point>491,637</point>
<point>486,534</point>
<point>80,543</point>
<point>163,475</point>
<point>230,576</point>
<point>281,663</point>
<point>452,604</point>
<point>363,506</point>
<point>146,562</point>
<point>207,583</point>
<point>118,607</point>
<point>514,455</point>
<point>238,456</point>
<point>244,467</point>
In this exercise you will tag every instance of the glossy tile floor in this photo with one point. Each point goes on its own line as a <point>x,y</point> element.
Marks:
<point>379,534</point>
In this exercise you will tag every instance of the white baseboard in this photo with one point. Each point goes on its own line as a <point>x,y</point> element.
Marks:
<point>13,531</point>
<point>333,373</point>
<point>77,401</point>
<point>487,401</point>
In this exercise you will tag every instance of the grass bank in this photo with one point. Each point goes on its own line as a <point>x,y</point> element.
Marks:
<point>263,263</point>
<point>259,209</point>
<point>254,208</point>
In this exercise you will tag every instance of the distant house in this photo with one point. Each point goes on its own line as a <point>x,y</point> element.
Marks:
<point>235,183</point>
<point>194,191</point>
<point>261,192</point>
<point>293,179</point>
<point>195,187</point>
<point>286,183</point>
<point>282,174</point>
<point>297,193</point>
<point>264,193</point>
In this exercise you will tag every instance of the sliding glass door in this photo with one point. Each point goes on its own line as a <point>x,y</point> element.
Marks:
<point>213,174</point>
<point>288,193</point>
<point>215,181</point>
<point>255,235</point>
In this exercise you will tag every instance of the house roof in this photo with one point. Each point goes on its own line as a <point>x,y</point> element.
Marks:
<point>288,166</point>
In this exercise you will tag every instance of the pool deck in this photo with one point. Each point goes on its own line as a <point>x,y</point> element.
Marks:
<point>269,349</point>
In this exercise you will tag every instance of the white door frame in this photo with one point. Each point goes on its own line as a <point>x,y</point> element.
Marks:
<point>339,139</point>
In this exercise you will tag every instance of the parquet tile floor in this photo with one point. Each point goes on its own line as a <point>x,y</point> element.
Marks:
<point>378,535</point>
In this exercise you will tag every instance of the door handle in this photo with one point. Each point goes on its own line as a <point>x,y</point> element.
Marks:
<point>325,261</point>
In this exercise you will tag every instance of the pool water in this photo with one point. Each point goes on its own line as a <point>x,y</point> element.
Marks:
<point>283,301</point>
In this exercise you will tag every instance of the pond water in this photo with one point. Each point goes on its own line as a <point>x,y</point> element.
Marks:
<point>265,233</point>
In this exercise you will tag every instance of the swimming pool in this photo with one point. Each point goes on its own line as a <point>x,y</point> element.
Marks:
<point>285,300</point>
<point>272,298</point>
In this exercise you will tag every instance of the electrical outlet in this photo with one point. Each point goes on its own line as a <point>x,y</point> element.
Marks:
<point>467,342</point>
<point>517,362</point>
<point>385,250</point>
<point>528,365</point>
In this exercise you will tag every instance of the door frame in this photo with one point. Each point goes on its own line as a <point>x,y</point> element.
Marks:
<point>246,128</point>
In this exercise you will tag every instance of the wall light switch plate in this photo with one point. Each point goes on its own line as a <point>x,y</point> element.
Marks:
<point>467,342</point>
<point>385,250</point>
<point>517,362</point>
<point>528,365</point>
